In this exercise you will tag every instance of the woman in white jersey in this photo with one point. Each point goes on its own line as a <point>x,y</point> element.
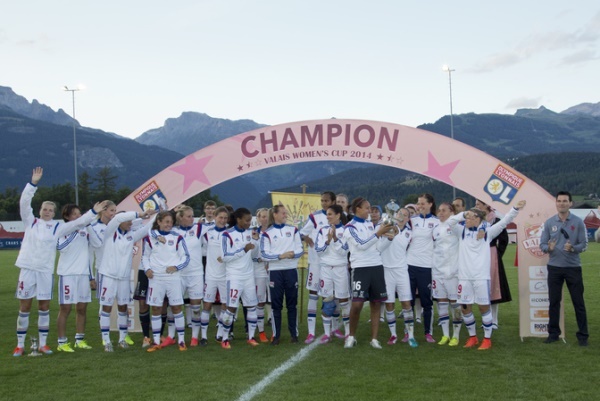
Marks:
<point>474,268</point>
<point>214,277</point>
<point>165,254</point>
<point>308,233</point>
<point>333,256</point>
<point>393,254</point>
<point>75,278</point>
<point>114,273</point>
<point>36,260</point>
<point>420,258</point>
<point>368,281</point>
<point>444,282</point>
<point>499,288</point>
<point>261,276</point>
<point>281,247</point>
<point>96,235</point>
<point>238,243</point>
<point>192,277</point>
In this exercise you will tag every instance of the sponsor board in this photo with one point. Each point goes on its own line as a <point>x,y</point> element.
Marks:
<point>538,286</point>
<point>504,184</point>
<point>538,314</point>
<point>538,272</point>
<point>150,197</point>
<point>539,300</point>
<point>538,328</point>
<point>533,233</point>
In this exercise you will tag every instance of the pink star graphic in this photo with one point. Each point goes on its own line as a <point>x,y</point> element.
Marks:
<point>438,171</point>
<point>192,170</point>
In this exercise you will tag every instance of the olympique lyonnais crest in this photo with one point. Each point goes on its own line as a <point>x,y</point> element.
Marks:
<point>533,233</point>
<point>150,197</point>
<point>504,184</point>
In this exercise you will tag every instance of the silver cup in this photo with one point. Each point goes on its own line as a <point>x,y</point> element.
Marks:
<point>390,210</point>
<point>34,347</point>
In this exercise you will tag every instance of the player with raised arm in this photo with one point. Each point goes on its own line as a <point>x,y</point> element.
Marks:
<point>75,278</point>
<point>36,261</point>
<point>308,233</point>
<point>474,268</point>
<point>115,271</point>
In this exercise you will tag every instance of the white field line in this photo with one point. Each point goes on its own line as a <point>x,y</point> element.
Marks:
<point>274,375</point>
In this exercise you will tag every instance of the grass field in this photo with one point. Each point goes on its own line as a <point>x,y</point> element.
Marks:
<point>511,370</point>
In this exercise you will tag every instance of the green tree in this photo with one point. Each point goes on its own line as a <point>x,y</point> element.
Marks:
<point>105,184</point>
<point>85,190</point>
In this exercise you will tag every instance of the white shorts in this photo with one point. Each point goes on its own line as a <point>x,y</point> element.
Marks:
<point>397,281</point>
<point>263,294</point>
<point>193,285</point>
<point>74,289</point>
<point>335,281</point>
<point>241,289</point>
<point>444,288</point>
<point>111,289</point>
<point>314,277</point>
<point>211,287</point>
<point>473,292</point>
<point>34,284</point>
<point>159,287</point>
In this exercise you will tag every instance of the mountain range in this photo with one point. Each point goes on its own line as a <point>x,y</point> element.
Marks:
<point>34,134</point>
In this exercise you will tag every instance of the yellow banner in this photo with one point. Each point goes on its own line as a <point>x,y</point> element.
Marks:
<point>299,207</point>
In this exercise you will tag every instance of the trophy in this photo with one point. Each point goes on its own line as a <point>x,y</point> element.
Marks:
<point>34,347</point>
<point>390,210</point>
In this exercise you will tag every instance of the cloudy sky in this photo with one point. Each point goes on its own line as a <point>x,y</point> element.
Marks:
<point>282,61</point>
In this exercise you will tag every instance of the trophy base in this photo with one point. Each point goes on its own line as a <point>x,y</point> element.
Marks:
<point>34,353</point>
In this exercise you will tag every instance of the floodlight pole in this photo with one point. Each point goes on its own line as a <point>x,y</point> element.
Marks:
<point>449,71</point>
<point>74,144</point>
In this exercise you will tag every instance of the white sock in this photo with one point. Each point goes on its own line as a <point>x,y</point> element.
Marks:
<point>345,306</point>
<point>469,320</point>
<point>251,318</point>
<point>105,326</point>
<point>313,299</point>
<point>204,321</point>
<point>335,318</point>
<point>179,321</point>
<point>227,322</point>
<point>220,324</point>
<point>188,314</point>
<point>444,318</point>
<point>260,318</point>
<point>43,326</point>
<point>390,317</point>
<point>456,320</point>
<point>195,312</point>
<point>156,322</point>
<point>495,313</point>
<point>409,322</point>
<point>326,324</point>
<point>122,323</point>
<point>170,323</point>
<point>22,326</point>
<point>486,319</point>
